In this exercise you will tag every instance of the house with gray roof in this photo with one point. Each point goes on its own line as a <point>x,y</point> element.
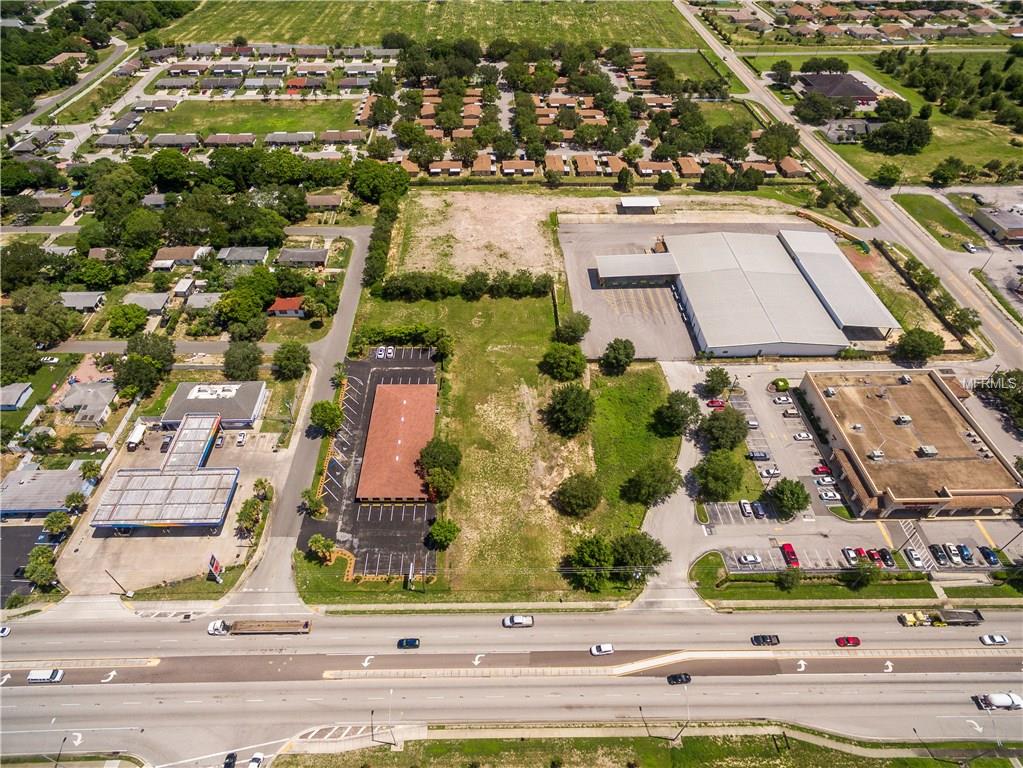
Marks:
<point>115,140</point>
<point>159,54</point>
<point>170,83</point>
<point>270,83</point>
<point>30,492</point>
<point>153,303</point>
<point>221,83</point>
<point>90,403</point>
<point>34,143</point>
<point>180,140</point>
<point>82,301</point>
<point>285,139</point>
<point>303,257</point>
<point>155,200</point>
<point>14,396</point>
<point>202,300</point>
<point>244,254</point>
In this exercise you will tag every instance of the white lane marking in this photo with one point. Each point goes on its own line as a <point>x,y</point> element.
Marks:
<point>253,701</point>
<point>315,699</point>
<point>193,701</point>
<point>204,757</point>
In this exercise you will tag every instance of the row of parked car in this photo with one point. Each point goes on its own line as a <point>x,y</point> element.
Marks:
<point>960,554</point>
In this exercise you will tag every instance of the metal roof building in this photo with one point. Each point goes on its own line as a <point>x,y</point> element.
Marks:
<point>636,269</point>
<point>39,491</point>
<point>847,298</point>
<point>744,297</point>
<point>238,403</point>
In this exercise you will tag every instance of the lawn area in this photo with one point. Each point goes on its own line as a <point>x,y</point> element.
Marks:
<point>585,752</point>
<point>724,112</point>
<point>695,67</point>
<point>195,588</point>
<point>319,583</point>
<point>622,440</point>
<point>905,306</point>
<point>91,104</point>
<point>650,23</point>
<point>305,330</point>
<point>939,220</point>
<point>973,141</point>
<point>255,117</point>
<point>706,572</point>
<point>43,382</point>
<point>995,590</point>
<point>965,203</point>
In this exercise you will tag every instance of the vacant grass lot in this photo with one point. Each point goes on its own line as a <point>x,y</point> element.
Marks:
<point>939,220</point>
<point>587,752</point>
<point>652,23</point>
<point>722,113</point>
<point>706,571</point>
<point>974,141</point>
<point>255,117</point>
<point>91,104</point>
<point>695,67</point>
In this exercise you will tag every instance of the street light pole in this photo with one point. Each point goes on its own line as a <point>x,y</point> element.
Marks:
<point>61,751</point>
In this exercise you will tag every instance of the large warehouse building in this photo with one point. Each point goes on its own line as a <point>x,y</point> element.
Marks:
<point>182,493</point>
<point>400,425</point>
<point>747,295</point>
<point>904,446</point>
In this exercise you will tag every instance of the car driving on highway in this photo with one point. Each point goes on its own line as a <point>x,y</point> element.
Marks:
<point>680,678</point>
<point>602,649</point>
<point>517,621</point>
<point>847,641</point>
<point>765,640</point>
<point>994,640</point>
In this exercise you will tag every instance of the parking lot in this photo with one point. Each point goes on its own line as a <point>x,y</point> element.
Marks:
<point>16,540</point>
<point>385,538</point>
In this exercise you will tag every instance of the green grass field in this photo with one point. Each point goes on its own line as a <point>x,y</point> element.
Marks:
<point>973,141</point>
<point>43,381</point>
<point>250,117</point>
<point>695,67</point>
<point>643,23</point>
<point>91,104</point>
<point>939,220</point>
<point>724,112</point>
<point>641,751</point>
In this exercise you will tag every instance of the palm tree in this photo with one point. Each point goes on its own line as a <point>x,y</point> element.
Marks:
<point>90,470</point>
<point>263,489</point>
<point>313,503</point>
<point>74,501</point>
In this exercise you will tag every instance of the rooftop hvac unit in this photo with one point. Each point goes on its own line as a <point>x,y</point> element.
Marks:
<point>928,451</point>
<point>905,379</point>
<point>830,392</point>
<point>877,454</point>
<point>903,419</point>
<point>970,434</point>
<point>857,427</point>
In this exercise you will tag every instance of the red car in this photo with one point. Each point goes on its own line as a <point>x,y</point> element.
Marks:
<point>821,469</point>
<point>715,403</point>
<point>719,408</point>
<point>790,555</point>
<point>875,557</point>
<point>861,553</point>
<point>847,642</point>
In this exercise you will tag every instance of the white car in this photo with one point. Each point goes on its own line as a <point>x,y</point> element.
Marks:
<point>826,480</point>
<point>256,760</point>
<point>769,473</point>
<point>782,400</point>
<point>49,360</point>
<point>390,353</point>
<point>241,439</point>
<point>850,555</point>
<point>829,496</point>
<point>913,557</point>
<point>994,640</point>
<point>953,554</point>
<point>5,631</point>
<point>602,649</point>
<point>381,351</point>
<point>746,508</point>
<point>517,621</point>
<point>752,423</point>
<point>750,558</point>
<point>970,247</point>
<point>802,436</point>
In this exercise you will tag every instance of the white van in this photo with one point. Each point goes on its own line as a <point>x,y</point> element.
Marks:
<point>45,675</point>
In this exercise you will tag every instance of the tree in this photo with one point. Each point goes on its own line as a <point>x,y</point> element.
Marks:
<point>242,360</point>
<point>313,503</point>
<point>321,546</point>
<point>137,375</point>
<point>724,429</point>
<point>965,319</point>
<point>126,320</point>
<point>72,443</point>
<point>291,360</point>
<point>815,109</point>
<point>716,381</point>
<point>572,327</point>
<point>440,483</point>
<point>918,345</point>
<point>617,357</point>
<point>371,180</point>
<point>863,575</point>
<point>22,262</point>
<point>563,362</point>
<point>625,181</point>
<point>788,579</point>
<point>637,555</point>
<point>57,521</point>
<point>570,410</point>
<point>577,495</point>
<point>552,178</point>
<point>440,454</point>
<point>263,489</point>
<point>591,563</point>
<point>665,181</point>
<point>89,470</point>
<point>782,71</point>
<point>777,141</point>
<point>443,533</point>
<point>159,349</point>
<point>464,151</point>
<point>326,416</point>
<point>249,515</point>
<point>40,569</point>
<point>719,475</point>
<point>652,483</point>
<point>677,414</point>
<point>75,501</point>
<point>887,175</point>
<point>789,497</point>
<point>890,109</point>
<point>19,356</point>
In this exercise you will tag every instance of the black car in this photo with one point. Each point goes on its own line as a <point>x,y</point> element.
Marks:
<point>758,456</point>
<point>680,679</point>
<point>989,555</point>
<point>408,643</point>
<point>938,554</point>
<point>886,557</point>
<point>166,443</point>
<point>50,539</point>
<point>230,760</point>
<point>765,640</point>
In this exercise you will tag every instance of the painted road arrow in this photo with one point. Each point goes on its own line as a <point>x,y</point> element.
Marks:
<point>367,660</point>
<point>110,676</point>
<point>476,661</point>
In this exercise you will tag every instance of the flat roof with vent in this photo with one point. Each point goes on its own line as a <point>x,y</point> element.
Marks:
<point>400,425</point>
<point>238,403</point>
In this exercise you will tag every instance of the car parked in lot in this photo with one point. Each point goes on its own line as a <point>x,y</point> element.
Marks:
<point>680,678</point>
<point>965,554</point>
<point>874,557</point>
<point>788,552</point>
<point>241,439</point>
<point>381,351</point>
<point>256,760</point>
<point>767,474</point>
<point>746,508</point>
<point>847,642</point>
<point>953,553</point>
<point>829,496</point>
<point>989,555</point>
<point>45,539</point>
<point>220,441</point>
<point>230,759</point>
<point>850,555</point>
<point>994,640</point>
<point>802,437</point>
<point>759,510</point>
<point>390,353</point>
<point>517,621</point>
<point>886,557</point>
<point>765,640</point>
<point>758,456</point>
<point>165,444</point>
<point>825,480</point>
<point>939,555</point>
<point>821,469</point>
<point>914,558</point>
<point>782,400</point>
<point>716,403</point>
<point>750,558</point>
<point>752,423</point>
<point>602,649</point>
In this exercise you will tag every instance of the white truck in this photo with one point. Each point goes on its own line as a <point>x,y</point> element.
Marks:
<point>999,700</point>
<point>254,627</point>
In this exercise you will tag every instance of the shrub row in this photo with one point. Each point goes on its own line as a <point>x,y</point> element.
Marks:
<point>433,286</point>
<point>416,334</point>
<point>380,240</point>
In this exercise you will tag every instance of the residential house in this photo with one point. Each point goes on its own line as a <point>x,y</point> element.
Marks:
<point>157,105</point>
<point>250,255</point>
<point>221,83</point>
<point>184,288</point>
<point>648,168</point>
<point>116,141</point>
<point>362,118</point>
<point>157,55</point>
<point>14,396</point>
<point>312,51</point>
<point>229,70</point>
<point>173,83</point>
<point>153,303</point>
<point>129,68</point>
<point>183,255</point>
<point>790,168</point>
<point>258,83</point>
<point>614,165</point>
<point>286,139</point>
<point>34,142</point>
<point>831,30</point>
<point>47,202</point>
<point>305,83</point>
<point>341,137</point>
<point>156,200</point>
<point>303,257</point>
<point>799,13</point>
<point>483,165</point>
<point>765,168</point>
<point>445,167</point>
<point>75,57</point>
<point>176,140</point>
<point>319,70</point>
<point>689,168</point>
<point>89,402</point>
<point>202,300</point>
<point>518,168</point>
<point>555,162</point>
<point>82,301</point>
<point>410,168</point>
<point>287,307</point>
<point>323,202</point>
<point>230,140</point>
<point>830,12</point>
<point>895,31</point>
<point>125,124</point>
<point>187,68</point>
<point>586,165</point>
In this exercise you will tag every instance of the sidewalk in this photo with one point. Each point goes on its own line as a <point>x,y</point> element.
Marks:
<point>509,607</point>
<point>994,602</point>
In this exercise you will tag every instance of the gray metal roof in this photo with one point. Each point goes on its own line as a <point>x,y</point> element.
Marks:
<point>302,255</point>
<point>639,202</point>
<point>141,497</point>
<point>847,298</point>
<point>745,290</point>
<point>191,441</point>
<point>151,302</point>
<point>234,401</point>
<point>636,265</point>
<point>202,300</point>
<point>12,393</point>
<point>39,490</point>
<point>243,253</point>
<point>80,299</point>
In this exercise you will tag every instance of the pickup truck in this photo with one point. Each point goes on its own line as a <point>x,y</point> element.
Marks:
<point>942,619</point>
<point>252,627</point>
